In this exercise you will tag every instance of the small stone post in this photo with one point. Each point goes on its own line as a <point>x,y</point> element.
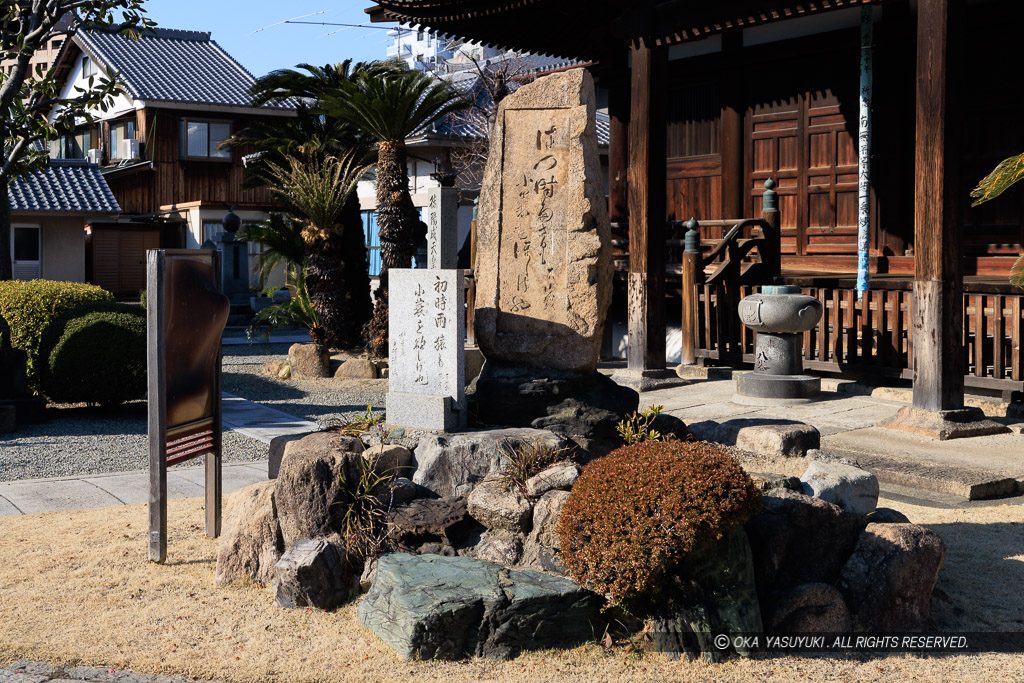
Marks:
<point>442,227</point>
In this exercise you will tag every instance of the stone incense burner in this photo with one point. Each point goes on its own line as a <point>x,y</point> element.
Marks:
<point>779,315</point>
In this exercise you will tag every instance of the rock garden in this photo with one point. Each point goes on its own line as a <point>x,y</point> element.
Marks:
<point>497,541</point>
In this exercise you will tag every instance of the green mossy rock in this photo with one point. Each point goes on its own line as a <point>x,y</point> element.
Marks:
<point>436,607</point>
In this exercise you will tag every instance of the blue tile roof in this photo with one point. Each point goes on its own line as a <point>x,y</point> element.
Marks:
<point>64,186</point>
<point>169,65</point>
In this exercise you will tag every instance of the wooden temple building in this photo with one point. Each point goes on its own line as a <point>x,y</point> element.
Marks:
<point>708,100</point>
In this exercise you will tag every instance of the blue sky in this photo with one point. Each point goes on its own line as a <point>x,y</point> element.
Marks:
<point>232,23</point>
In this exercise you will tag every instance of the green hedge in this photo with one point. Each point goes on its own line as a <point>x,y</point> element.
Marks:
<point>95,353</point>
<point>29,307</point>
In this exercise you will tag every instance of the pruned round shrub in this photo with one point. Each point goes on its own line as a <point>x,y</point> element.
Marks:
<point>30,306</point>
<point>95,353</point>
<point>635,513</point>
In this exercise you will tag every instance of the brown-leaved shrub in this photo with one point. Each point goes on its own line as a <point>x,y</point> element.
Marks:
<point>636,512</point>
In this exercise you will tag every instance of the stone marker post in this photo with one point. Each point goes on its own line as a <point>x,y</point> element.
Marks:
<point>427,333</point>
<point>442,227</point>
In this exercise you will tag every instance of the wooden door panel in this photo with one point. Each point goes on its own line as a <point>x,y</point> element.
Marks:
<point>105,261</point>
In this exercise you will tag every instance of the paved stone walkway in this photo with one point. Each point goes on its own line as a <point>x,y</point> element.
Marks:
<point>847,417</point>
<point>291,338</point>
<point>260,422</point>
<point>30,496</point>
<point>25,671</point>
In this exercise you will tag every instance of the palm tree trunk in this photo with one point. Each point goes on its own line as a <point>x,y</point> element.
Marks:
<point>396,217</point>
<point>395,211</point>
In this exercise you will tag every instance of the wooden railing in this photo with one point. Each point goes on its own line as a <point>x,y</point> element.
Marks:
<point>727,265</point>
<point>872,336</point>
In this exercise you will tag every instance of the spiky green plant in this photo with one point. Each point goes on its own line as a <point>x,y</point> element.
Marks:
<point>317,190</point>
<point>283,246</point>
<point>296,312</point>
<point>1007,173</point>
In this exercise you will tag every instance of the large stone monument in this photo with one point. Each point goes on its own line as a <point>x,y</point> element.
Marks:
<point>543,265</point>
<point>426,336</point>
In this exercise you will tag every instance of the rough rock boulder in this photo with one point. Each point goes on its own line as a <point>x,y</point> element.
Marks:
<point>889,578</point>
<point>799,539</point>
<point>433,607</point>
<point>310,483</point>
<point>452,464</point>
<point>251,542</point>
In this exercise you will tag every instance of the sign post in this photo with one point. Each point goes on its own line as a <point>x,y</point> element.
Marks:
<point>185,318</point>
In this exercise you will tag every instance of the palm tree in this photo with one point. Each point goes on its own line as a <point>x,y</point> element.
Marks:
<point>1008,172</point>
<point>319,191</point>
<point>391,105</point>
<point>342,300</point>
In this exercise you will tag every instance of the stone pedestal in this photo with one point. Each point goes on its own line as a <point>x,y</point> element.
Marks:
<point>945,424</point>
<point>442,218</point>
<point>427,363</point>
<point>780,316</point>
<point>648,380</point>
<point>566,402</point>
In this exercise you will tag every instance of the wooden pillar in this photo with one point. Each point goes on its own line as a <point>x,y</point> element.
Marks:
<point>691,265</point>
<point>938,280</point>
<point>734,185</point>
<point>646,175</point>
<point>618,148</point>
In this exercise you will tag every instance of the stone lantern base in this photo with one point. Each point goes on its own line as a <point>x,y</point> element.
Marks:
<point>760,389</point>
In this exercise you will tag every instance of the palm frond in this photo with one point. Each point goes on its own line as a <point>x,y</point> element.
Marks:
<point>281,237</point>
<point>297,312</point>
<point>1008,172</point>
<point>317,189</point>
<point>393,105</point>
<point>1017,272</point>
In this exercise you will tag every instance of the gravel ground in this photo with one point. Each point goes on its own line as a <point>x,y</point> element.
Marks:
<point>78,440</point>
<point>328,402</point>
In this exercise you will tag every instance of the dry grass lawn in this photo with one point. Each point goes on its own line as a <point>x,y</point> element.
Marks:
<point>76,589</point>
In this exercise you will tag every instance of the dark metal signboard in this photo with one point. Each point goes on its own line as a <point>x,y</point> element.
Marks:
<point>186,314</point>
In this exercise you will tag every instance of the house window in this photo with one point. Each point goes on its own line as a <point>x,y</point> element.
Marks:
<point>72,146</point>
<point>372,233</point>
<point>202,139</point>
<point>88,68</point>
<point>118,133</point>
<point>211,229</point>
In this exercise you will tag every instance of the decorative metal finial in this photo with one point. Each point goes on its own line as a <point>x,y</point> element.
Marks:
<point>770,198</point>
<point>691,240</point>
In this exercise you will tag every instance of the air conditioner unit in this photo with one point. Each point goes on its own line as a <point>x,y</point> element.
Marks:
<point>129,150</point>
<point>95,156</point>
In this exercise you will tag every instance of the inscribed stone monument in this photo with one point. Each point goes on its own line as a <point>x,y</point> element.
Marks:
<point>427,332</point>
<point>543,252</point>
<point>442,216</point>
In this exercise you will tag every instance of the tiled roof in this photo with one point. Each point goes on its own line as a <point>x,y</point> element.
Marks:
<point>174,66</point>
<point>65,186</point>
